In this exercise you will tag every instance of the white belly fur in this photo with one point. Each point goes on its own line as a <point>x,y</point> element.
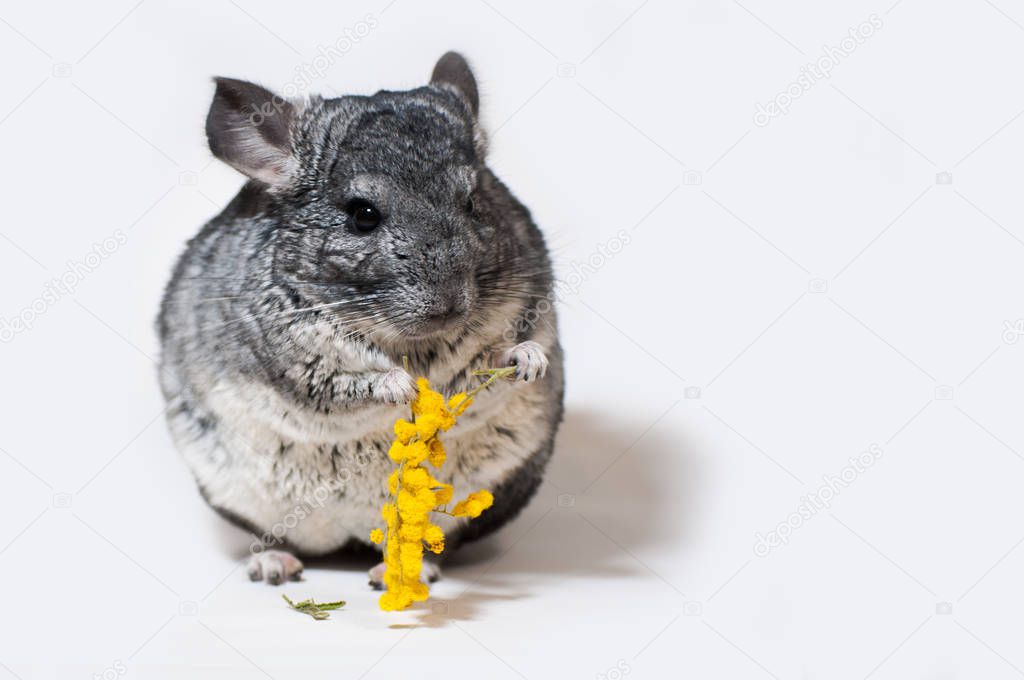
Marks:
<point>318,482</point>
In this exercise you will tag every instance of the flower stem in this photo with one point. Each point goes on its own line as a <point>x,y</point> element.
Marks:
<point>494,374</point>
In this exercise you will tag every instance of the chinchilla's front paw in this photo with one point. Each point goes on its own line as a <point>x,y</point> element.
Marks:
<point>394,387</point>
<point>528,358</point>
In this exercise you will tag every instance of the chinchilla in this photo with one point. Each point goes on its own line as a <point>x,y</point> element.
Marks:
<point>370,233</point>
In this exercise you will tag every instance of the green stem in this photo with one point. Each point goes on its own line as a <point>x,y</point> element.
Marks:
<point>317,610</point>
<point>494,375</point>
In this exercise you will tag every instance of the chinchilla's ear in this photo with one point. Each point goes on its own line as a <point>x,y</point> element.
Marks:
<point>453,71</point>
<point>249,128</point>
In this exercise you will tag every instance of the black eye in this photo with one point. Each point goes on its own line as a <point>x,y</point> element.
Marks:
<point>470,206</point>
<point>364,216</point>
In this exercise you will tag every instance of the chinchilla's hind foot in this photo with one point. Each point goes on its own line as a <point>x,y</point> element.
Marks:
<point>429,574</point>
<point>275,567</point>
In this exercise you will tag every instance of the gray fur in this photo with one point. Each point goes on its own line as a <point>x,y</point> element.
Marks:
<point>283,328</point>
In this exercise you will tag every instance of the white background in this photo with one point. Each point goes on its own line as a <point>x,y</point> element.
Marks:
<point>791,295</point>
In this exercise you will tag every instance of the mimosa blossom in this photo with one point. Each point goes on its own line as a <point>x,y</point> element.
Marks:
<point>415,493</point>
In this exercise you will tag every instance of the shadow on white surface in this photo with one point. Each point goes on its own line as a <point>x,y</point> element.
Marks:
<point>604,499</point>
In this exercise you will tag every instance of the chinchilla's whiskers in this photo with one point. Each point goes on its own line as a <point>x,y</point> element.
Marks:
<point>366,318</point>
<point>475,328</point>
<point>350,322</point>
<point>350,332</point>
<point>503,278</point>
<point>290,312</point>
<point>517,293</point>
<point>276,282</point>
<point>397,329</point>
<point>247,296</point>
<point>345,322</point>
<point>326,305</point>
<point>391,336</point>
<point>387,323</point>
<point>341,326</point>
<point>510,268</point>
<point>389,328</point>
<point>334,320</point>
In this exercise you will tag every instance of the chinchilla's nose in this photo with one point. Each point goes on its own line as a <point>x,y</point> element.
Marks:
<point>450,305</point>
<point>443,312</point>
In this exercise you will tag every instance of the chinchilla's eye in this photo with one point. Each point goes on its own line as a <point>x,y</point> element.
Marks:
<point>470,206</point>
<point>364,216</point>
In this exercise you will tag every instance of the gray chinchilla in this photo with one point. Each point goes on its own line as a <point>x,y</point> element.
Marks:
<point>370,230</point>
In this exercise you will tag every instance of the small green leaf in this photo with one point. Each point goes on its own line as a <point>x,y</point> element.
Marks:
<point>317,611</point>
